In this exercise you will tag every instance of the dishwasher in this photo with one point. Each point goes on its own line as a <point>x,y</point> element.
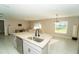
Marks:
<point>19,45</point>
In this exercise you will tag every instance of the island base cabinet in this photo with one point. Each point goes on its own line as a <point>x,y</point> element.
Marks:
<point>27,49</point>
<point>30,48</point>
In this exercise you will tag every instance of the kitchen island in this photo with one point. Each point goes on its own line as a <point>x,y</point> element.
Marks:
<point>31,46</point>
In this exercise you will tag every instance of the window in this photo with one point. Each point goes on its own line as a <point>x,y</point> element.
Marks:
<point>61,27</point>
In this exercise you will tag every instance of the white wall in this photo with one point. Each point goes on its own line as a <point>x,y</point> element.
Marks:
<point>6,26</point>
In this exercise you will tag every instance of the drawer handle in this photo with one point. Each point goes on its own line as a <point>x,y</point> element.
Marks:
<point>28,49</point>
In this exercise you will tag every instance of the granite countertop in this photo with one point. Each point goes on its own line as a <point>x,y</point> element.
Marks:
<point>25,35</point>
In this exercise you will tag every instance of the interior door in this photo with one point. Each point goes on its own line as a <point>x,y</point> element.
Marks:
<point>1,26</point>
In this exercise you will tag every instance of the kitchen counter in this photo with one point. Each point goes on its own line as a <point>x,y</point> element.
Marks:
<point>25,35</point>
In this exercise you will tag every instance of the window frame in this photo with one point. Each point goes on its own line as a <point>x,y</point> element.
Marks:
<point>66,24</point>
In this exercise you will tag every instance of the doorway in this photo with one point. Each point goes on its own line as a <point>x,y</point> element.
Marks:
<point>1,27</point>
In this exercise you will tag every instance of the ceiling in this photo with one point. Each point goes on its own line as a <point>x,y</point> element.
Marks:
<point>38,11</point>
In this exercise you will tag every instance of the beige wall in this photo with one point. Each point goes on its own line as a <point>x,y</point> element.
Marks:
<point>48,26</point>
<point>13,25</point>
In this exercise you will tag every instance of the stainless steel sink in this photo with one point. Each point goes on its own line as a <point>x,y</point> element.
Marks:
<point>35,39</point>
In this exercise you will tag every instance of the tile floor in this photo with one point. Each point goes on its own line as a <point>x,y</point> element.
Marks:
<point>63,46</point>
<point>6,45</point>
<point>57,46</point>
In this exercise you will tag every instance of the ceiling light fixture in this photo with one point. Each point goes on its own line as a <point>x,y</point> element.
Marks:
<point>56,18</point>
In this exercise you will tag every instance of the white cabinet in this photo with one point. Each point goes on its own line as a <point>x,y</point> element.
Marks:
<point>14,41</point>
<point>30,48</point>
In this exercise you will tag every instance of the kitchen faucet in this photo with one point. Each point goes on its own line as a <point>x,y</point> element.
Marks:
<point>37,27</point>
<point>37,33</point>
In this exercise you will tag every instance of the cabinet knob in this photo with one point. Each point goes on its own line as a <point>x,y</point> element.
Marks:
<point>28,49</point>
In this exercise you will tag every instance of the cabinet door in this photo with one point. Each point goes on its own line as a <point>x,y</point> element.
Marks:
<point>25,48</point>
<point>29,49</point>
<point>14,42</point>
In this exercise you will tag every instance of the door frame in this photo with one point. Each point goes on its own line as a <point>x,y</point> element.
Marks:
<point>5,26</point>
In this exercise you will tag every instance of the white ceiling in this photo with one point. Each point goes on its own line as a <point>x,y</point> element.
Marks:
<point>38,11</point>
